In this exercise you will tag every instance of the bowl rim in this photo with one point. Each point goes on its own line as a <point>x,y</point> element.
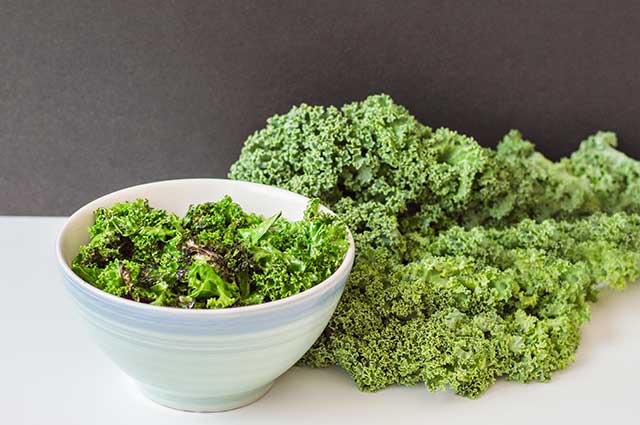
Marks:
<point>316,290</point>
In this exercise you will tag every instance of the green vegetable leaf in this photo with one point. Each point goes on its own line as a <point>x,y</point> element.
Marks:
<point>255,233</point>
<point>205,283</point>
<point>473,263</point>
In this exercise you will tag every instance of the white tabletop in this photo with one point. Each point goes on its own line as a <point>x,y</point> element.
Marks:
<point>51,372</point>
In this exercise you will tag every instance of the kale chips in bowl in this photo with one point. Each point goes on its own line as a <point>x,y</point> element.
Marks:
<point>199,328</point>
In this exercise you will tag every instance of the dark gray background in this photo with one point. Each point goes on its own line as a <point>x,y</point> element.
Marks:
<point>95,96</point>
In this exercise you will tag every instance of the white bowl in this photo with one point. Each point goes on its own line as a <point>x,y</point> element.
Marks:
<point>202,360</point>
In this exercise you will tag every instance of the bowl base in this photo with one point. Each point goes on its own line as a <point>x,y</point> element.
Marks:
<point>203,404</point>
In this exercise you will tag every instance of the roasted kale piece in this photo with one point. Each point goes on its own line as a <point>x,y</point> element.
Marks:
<point>217,256</point>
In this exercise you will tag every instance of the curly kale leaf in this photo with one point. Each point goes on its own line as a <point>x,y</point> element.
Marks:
<point>472,263</point>
<point>478,304</point>
<point>614,177</point>
<point>369,152</point>
<point>375,156</point>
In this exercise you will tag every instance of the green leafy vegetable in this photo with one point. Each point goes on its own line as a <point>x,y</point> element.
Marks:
<point>472,263</point>
<point>253,235</point>
<point>217,256</point>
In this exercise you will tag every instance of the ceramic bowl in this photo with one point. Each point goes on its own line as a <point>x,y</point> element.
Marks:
<point>201,360</point>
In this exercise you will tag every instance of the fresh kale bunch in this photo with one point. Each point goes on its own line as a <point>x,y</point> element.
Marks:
<point>473,263</point>
<point>217,256</point>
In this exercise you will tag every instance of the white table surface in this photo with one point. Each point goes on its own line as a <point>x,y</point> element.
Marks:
<point>51,372</point>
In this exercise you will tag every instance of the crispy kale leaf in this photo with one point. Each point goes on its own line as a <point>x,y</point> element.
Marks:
<point>124,241</point>
<point>473,263</point>
<point>217,256</point>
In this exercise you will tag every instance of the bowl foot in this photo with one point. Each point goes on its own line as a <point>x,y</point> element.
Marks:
<point>192,403</point>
